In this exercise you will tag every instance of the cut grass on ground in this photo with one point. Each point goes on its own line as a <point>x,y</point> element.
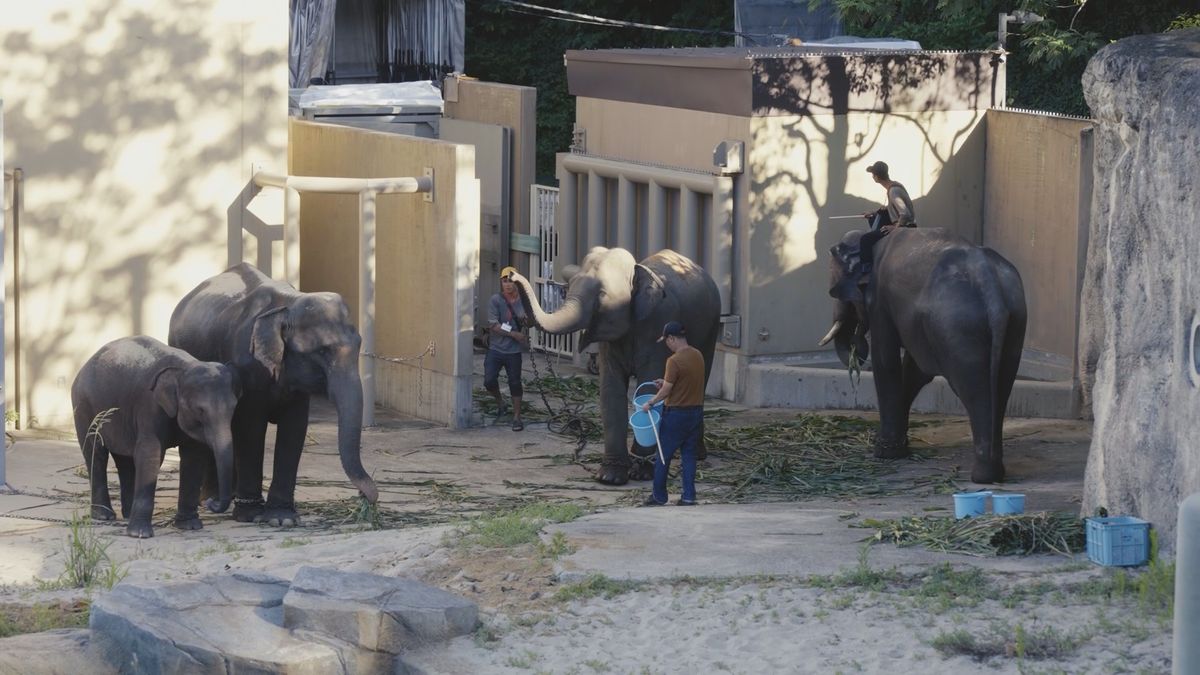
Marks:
<point>22,619</point>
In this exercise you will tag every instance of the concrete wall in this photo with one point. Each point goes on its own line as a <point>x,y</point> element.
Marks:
<point>427,259</point>
<point>804,169</point>
<point>514,108</point>
<point>1140,332</point>
<point>135,124</point>
<point>1038,194</point>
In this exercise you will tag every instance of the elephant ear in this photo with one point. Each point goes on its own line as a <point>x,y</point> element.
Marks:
<point>648,291</point>
<point>266,339</point>
<point>165,386</point>
<point>845,273</point>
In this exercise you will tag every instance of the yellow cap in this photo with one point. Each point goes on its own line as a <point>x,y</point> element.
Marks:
<point>507,272</point>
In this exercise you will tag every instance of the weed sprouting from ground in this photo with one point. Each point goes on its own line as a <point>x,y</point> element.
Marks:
<point>516,527</point>
<point>1046,642</point>
<point>22,619</point>
<point>88,562</point>
<point>595,585</point>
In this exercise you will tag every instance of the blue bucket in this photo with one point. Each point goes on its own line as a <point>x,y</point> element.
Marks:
<point>1008,504</point>
<point>639,401</point>
<point>644,425</point>
<point>967,504</point>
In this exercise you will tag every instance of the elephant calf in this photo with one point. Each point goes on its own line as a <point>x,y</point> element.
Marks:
<point>135,398</point>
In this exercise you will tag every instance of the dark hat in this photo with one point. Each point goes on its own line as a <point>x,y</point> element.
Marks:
<point>878,169</point>
<point>672,328</point>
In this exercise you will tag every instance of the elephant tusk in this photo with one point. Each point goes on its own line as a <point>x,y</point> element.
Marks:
<point>837,325</point>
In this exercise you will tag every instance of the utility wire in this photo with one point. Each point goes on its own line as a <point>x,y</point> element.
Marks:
<point>593,20</point>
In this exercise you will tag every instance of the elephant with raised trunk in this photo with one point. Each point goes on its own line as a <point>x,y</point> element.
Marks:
<point>286,347</point>
<point>135,398</point>
<point>934,305</point>
<point>622,305</point>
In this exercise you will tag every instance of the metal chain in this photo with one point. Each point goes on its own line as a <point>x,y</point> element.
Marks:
<point>48,519</point>
<point>430,350</point>
<point>567,421</point>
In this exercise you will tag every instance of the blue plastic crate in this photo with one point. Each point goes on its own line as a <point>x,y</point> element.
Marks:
<point>1118,541</point>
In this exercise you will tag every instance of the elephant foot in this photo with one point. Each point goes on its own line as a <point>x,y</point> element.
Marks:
<point>613,475</point>
<point>103,512</point>
<point>987,473</point>
<point>248,510</point>
<point>891,449</point>
<point>188,521</point>
<point>139,529</point>
<point>279,516</point>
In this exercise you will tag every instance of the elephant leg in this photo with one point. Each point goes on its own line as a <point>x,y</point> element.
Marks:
<point>125,478</point>
<point>146,461</point>
<point>887,367</point>
<point>915,380</point>
<point>193,458</point>
<point>249,440</point>
<point>292,427</point>
<point>614,388</point>
<point>95,458</point>
<point>1010,362</point>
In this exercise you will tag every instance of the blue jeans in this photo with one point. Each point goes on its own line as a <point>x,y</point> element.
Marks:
<point>678,430</point>
<point>511,363</point>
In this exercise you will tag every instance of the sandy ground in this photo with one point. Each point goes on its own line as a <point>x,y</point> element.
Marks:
<point>686,622</point>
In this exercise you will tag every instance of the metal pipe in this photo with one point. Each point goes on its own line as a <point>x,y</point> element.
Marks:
<point>627,215</point>
<point>338,185</point>
<point>1186,653</point>
<point>291,237</point>
<point>366,301</point>
<point>686,228</point>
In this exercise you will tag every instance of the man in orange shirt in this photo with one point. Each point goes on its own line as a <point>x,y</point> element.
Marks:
<point>682,388</point>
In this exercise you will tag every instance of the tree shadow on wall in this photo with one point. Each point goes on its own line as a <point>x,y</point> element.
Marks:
<point>121,104</point>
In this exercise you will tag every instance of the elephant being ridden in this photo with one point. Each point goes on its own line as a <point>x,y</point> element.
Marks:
<point>955,309</point>
<point>622,305</point>
<point>286,346</point>
<point>156,397</point>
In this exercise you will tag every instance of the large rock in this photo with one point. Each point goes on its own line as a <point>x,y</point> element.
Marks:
<point>1140,316</point>
<point>327,622</point>
<point>381,614</point>
<point>53,652</point>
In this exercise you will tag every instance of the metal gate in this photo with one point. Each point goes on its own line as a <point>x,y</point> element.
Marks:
<point>543,202</point>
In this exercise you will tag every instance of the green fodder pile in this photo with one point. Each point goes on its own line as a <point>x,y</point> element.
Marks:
<point>810,456</point>
<point>989,535</point>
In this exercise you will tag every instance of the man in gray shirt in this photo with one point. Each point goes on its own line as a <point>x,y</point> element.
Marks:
<point>897,212</point>
<point>506,317</point>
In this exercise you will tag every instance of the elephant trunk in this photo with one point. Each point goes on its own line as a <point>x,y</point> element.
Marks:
<point>572,316</point>
<point>847,333</point>
<point>345,392</point>
<point>222,446</point>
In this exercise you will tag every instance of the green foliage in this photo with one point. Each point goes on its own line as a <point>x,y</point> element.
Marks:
<point>518,526</point>
<point>595,585</point>
<point>88,563</point>
<point>1047,57</point>
<point>21,619</point>
<point>506,44</point>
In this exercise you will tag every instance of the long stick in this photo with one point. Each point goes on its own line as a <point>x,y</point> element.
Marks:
<point>840,217</point>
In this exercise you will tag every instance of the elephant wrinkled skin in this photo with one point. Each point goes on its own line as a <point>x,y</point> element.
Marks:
<point>286,346</point>
<point>934,305</point>
<point>156,397</point>
<point>622,305</point>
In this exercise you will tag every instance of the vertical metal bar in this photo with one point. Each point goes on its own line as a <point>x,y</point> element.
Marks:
<point>656,222</point>
<point>626,215</point>
<point>597,234</point>
<point>366,301</point>
<point>687,231</point>
<point>3,341</point>
<point>291,236</point>
<point>565,217</point>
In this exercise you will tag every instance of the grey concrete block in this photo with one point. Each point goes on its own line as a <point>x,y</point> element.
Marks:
<point>373,612</point>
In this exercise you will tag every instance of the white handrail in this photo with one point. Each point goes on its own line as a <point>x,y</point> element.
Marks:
<point>366,189</point>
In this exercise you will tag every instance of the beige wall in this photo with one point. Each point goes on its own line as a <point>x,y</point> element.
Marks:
<point>427,258</point>
<point>1038,198</point>
<point>647,133</point>
<point>135,124</point>
<point>804,169</point>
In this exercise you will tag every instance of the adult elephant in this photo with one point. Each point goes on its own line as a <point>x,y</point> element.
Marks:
<point>286,346</point>
<point>622,305</point>
<point>934,305</point>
